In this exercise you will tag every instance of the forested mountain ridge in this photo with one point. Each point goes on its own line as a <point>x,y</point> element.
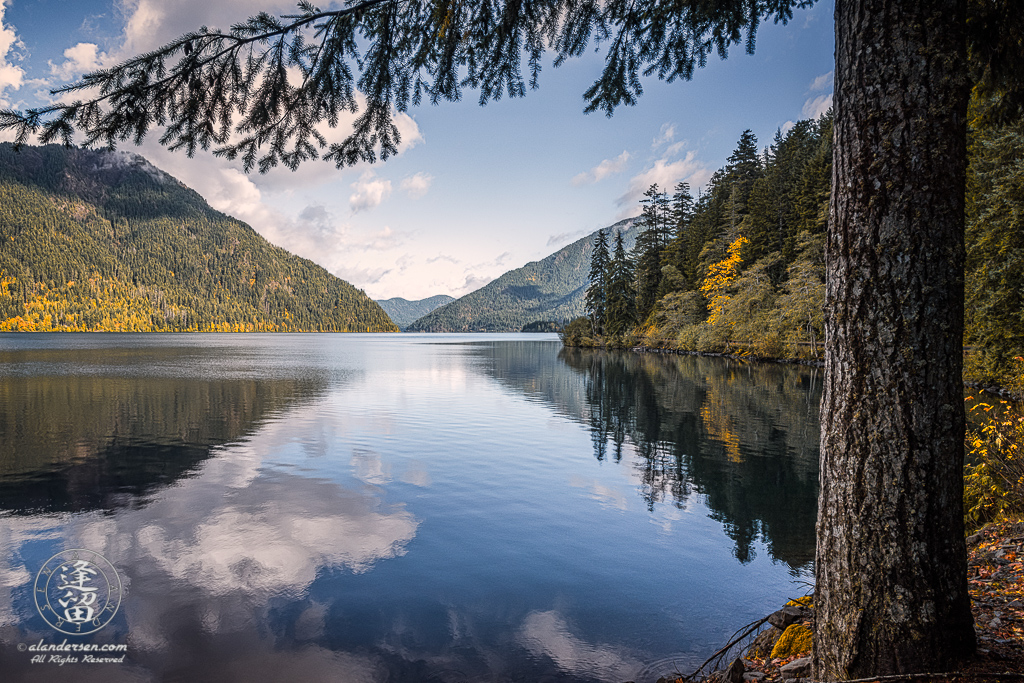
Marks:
<point>104,241</point>
<point>402,311</point>
<point>550,289</point>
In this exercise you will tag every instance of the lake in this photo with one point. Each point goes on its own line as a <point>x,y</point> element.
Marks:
<point>444,508</point>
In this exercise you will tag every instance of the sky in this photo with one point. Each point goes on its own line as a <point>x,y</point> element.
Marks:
<point>475,191</point>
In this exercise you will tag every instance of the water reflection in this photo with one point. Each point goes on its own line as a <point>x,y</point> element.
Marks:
<point>79,443</point>
<point>210,561</point>
<point>326,508</point>
<point>742,435</point>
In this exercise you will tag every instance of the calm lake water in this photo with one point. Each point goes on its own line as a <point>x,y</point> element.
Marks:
<point>400,507</point>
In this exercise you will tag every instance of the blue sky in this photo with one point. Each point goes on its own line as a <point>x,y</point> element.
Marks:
<point>475,191</point>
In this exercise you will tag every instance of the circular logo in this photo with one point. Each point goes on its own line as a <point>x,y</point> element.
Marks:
<point>77,591</point>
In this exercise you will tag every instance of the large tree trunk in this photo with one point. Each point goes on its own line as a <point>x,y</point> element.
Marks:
<point>891,591</point>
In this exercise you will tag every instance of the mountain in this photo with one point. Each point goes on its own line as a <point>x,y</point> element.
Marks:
<point>402,311</point>
<point>550,289</point>
<point>102,240</point>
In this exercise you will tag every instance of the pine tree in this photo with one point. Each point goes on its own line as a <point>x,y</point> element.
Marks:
<point>744,169</point>
<point>650,245</point>
<point>620,313</point>
<point>596,291</point>
<point>681,212</point>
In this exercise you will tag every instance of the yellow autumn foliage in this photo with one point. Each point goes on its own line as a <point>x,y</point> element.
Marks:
<point>994,468</point>
<point>720,276</point>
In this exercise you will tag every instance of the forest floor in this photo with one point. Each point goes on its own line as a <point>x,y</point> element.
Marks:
<point>995,576</point>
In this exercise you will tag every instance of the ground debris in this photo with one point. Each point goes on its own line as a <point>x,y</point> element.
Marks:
<point>995,576</point>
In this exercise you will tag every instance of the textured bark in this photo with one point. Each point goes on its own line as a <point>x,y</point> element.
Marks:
<point>891,591</point>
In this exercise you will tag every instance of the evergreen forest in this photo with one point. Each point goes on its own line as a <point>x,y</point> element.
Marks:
<point>740,268</point>
<point>104,241</point>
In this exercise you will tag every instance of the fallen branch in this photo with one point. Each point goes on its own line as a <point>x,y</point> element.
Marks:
<point>747,630</point>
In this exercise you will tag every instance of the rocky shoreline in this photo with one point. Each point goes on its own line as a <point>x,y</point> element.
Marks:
<point>781,651</point>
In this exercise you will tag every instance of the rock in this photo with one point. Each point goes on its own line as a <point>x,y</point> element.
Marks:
<point>796,639</point>
<point>764,642</point>
<point>754,676</point>
<point>973,539</point>
<point>786,616</point>
<point>734,674</point>
<point>798,668</point>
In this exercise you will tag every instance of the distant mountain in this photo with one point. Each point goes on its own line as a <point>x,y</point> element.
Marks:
<point>550,289</point>
<point>402,311</point>
<point>100,240</point>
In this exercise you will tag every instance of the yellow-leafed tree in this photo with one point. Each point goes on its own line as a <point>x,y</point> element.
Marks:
<point>720,275</point>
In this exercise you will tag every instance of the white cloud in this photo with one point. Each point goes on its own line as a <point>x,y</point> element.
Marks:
<point>417,185</point>
<point>602,170</point>
<point>360,276</point>
<point>470,283</point>
<point>152,23</point>
<point>666,174</point>
<point>821,82</point>
<point>675,148</point>
<point>370,191</point>
<point>563,238</point>
<point>788,126</point>
<point>79,59</point>
<point>816,106</point>
<point>666,135</point>
<point>11,76</point>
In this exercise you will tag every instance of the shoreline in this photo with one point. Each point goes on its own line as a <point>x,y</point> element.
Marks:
<point>995,390</point>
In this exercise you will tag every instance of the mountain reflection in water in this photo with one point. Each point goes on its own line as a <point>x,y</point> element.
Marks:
<point>400,508</point>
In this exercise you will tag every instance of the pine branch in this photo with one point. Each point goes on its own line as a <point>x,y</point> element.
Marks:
<point>259,91</point>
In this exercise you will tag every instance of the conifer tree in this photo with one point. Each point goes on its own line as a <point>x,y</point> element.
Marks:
<point>744,169</point>
<point>681,211</point>
<point>596,291</point>
<point>651,242</point>
<point>620,296</point>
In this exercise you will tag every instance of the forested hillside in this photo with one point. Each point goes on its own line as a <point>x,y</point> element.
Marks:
<point>402,311</point>
<point>549,289</point>
<point>741,263</point>
<point>98,240</point>
<point>741,268</point>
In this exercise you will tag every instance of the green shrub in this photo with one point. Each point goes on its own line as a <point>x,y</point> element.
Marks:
<point>578,332</point>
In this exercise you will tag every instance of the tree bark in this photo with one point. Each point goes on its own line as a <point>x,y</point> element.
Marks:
<point>891,593</point>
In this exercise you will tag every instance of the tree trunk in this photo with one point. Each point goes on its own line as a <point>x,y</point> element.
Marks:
<point>891,592</point>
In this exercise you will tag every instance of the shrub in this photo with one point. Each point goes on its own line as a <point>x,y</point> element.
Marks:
<point>994,470</point>
<point>577,333</point>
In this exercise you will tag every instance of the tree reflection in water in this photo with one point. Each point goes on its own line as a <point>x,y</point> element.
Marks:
<point>742,435</point>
